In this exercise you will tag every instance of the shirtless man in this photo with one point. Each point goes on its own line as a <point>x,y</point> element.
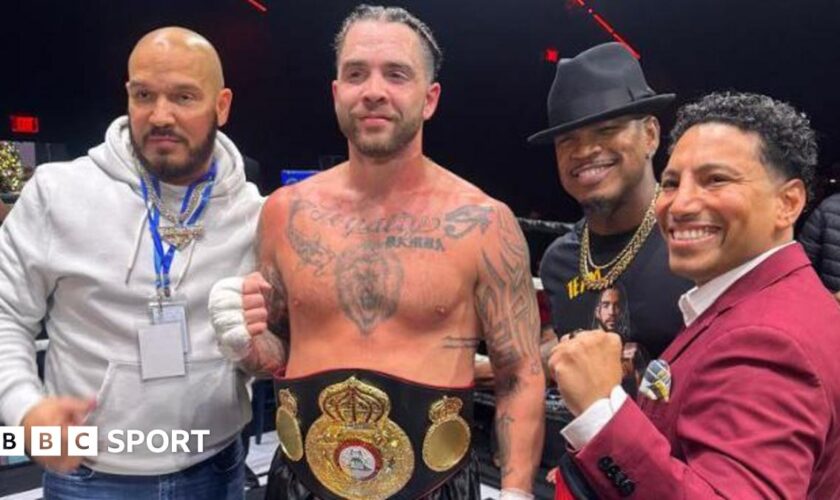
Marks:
<point>388,270</point>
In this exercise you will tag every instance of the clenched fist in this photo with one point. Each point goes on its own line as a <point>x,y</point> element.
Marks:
<point>239,314</point>
<point>586,366</point>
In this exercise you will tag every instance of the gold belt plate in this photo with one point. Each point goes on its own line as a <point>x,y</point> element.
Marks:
<point>448,438</point>
<point>353,448</point>
<point>288,427</point>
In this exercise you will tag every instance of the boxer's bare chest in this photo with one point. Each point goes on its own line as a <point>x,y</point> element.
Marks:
<point>370,263</point>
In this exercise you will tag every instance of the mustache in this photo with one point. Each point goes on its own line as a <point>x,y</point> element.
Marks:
<point>366,114</point>
<point>161,132</point>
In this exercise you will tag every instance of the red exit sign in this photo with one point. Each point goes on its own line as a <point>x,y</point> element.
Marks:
<point>24,124</point>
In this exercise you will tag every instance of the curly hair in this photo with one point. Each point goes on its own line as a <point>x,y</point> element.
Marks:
<point>788,143</point>
<point>431,51</point>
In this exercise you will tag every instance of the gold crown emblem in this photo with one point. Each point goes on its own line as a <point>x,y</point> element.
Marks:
<point>354,403</point>
<point>445,409</point>
<point>288,401</point>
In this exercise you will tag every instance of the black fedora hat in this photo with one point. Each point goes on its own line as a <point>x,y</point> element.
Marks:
<point>598,84</point>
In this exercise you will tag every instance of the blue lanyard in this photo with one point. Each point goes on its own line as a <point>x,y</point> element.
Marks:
<point>163,260</point>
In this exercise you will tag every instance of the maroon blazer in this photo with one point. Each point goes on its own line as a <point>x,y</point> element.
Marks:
<point>755,397</point>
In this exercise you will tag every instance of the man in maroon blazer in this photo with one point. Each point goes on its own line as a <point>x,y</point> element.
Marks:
<point>752,406</point>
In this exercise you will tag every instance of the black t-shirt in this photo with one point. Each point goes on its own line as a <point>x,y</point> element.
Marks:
<point>649,288</point>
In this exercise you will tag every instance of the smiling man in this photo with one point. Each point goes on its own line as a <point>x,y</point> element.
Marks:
<point>116,252</point>
<point>602,124</point>
<point>751,406</point>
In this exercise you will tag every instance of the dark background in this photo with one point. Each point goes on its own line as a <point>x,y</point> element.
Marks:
<point>66,63</point>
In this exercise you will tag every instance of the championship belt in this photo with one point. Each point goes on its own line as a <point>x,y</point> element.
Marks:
<point>362,435</point>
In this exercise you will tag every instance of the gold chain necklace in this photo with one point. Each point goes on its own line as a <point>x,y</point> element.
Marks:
<point>593,280</point>
<point>165,211</point>
<point>178,234</point>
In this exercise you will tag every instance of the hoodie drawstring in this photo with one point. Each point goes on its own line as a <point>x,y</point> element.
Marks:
<point>186,266</point>
<point>132,259</point>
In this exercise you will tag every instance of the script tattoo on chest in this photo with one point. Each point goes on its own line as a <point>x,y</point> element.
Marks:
<point>400,223</point>
<point>398,230</point>
<point>369,273</point>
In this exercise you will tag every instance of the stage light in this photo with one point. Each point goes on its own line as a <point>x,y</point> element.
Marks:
<point>257,5</point>
<point>608,28</point>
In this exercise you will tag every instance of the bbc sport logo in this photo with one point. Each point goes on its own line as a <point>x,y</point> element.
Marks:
<point>83,441</point>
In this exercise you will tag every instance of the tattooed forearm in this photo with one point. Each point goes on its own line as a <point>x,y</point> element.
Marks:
<point>368,280</point>
<point>507,306</point>
<point>307,247</point>
<point>469,343</point>
<point>508,386</point>
<point>503,425</point>
<point>267,356</point>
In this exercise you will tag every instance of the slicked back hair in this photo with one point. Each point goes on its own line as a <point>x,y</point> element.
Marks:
<point>432,55</point>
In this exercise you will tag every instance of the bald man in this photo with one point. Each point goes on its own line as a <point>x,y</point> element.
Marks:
<point>115,253</point>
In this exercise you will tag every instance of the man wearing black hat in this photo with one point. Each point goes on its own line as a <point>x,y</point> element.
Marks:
<point>602,123</point>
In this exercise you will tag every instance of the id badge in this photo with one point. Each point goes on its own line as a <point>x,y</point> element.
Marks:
<point>164,341</point>
<point>161,351</point>
<point>171,310</point>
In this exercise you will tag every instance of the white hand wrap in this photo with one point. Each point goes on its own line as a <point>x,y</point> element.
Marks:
<point>228,318</point>
<point>514,494</point>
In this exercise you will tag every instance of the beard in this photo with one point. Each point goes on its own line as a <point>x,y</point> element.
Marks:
<point>599,206</point>
<point>164,167</point>
<point>405,130</point>
<point>608,205</point>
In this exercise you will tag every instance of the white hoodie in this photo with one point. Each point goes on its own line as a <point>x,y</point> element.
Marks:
<point>76,253</point>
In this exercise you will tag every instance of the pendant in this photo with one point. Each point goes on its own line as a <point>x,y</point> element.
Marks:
<point>179,236</point>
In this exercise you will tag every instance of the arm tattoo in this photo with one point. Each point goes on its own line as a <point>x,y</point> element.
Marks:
<point>508,386</point>
<point>503,424</point>
<point>369,281</point>
<point>308,248</point>
<point>506,302</point>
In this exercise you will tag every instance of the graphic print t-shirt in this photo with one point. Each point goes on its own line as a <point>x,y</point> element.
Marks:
<point>647,310</point>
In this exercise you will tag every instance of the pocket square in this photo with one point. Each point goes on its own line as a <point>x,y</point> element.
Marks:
<point>656,382</point>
